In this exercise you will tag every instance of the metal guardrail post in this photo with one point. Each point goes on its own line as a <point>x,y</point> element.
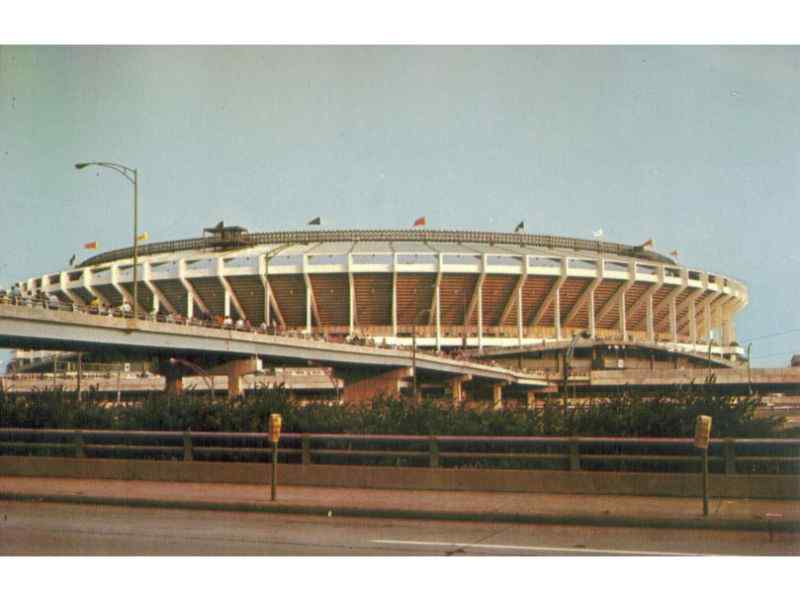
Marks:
<point>306,449</point>
<point>433,452</point>
<point>730,456</point>
<point>188,450</point>
<point>80,452</point>
<point>574,456</point>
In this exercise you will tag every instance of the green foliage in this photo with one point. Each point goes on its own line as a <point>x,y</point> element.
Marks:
<point>625,414</point>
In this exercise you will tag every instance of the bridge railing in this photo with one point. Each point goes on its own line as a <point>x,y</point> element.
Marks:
<point>727,456</point>
<point>125,312</point>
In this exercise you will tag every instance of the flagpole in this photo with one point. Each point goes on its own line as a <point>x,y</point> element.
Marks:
<point>135,244</point>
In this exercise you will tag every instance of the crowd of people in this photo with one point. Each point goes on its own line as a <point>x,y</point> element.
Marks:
<point>203,319</point>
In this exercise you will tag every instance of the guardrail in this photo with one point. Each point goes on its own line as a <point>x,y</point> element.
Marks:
<point>727,456</point>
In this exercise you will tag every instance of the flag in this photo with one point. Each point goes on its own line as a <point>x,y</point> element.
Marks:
<point>598,233</point>
<point>143,237</point>
<point>520,227</point>
<point>648,244</point>
<point>90,245</point>
<point>421,222</point>
<point>674,254</point>
<point>72,260</point>
<point>315,221</point>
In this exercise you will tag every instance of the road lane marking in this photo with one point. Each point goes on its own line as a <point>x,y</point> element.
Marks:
<point>537,548</point>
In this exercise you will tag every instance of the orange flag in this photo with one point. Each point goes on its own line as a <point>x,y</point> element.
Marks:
<point>90,245</point>
<point>421,222</point>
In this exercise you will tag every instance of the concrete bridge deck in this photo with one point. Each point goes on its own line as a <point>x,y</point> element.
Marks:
<point>38,327</point>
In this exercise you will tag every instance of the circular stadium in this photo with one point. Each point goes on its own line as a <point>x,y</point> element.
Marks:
<point>449,289</point>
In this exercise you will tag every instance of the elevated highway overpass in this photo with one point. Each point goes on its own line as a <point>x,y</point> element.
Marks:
<point>366,370</point>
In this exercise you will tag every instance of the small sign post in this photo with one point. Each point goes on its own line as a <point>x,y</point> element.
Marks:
<point>702,436</point>
<point>274,436</point>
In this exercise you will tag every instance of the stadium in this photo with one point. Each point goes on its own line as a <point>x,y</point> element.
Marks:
<point>449,290</point>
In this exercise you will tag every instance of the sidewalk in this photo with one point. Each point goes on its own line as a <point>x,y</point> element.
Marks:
<point>621,511</point>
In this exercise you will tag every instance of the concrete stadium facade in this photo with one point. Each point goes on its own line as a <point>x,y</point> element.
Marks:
<point>453,288</point>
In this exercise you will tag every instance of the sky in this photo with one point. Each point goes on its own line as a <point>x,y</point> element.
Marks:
<point>695,147</point>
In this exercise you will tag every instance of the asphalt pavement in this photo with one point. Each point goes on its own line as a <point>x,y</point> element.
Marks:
<point>58,529</point>
<point>497,507</point>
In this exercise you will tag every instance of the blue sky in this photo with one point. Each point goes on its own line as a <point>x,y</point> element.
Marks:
<point>696,147</point>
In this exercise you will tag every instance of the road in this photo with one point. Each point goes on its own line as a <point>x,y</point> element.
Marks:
<point>37,529</point>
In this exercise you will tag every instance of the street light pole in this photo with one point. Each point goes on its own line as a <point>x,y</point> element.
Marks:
<point>131,175</point>
<point>196,368</point>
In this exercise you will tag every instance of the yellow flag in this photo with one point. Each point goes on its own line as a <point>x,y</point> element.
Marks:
<point>143,237</point>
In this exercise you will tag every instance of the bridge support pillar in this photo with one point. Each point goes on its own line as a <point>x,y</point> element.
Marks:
<point>497,396</point>
<point>234,370</point>
<point>363,385</point>
<point>457,389</point>
<point>530,400</point>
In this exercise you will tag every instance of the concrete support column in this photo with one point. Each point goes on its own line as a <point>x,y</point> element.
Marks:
<point>673,319</point>
<point>457,390</point>
<point>191,294</point>
<point>623,329</point>
<point>351,293</point>
<point>234,370</point>
<point>480,318</point>
<point>189,305</point>
<point>720,321</point>
<point>725,323</point>
<point>557,312</point>
<point>530,400</point>
<point>650,320</point>
<point>309,292</point>
<point>591,315</point>
<point>437,301</point>
<point>394,295</point>
<point>63,282</point>
<point>363,385</point>
<point>227,304</point>
<point>497,396</point>
<point>520,332</point>
<point>693,321</point>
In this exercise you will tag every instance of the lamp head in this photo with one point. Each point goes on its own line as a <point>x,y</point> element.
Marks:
<point>81,165</point>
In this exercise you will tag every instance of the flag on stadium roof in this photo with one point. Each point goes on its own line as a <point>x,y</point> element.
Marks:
<point>143,237</point>
<point>674,254</point>
<point>598,233</point>
<point>648,244</point>
<point>315,221</point>
<point>520,227</point>
<point>421,222</point>
<point>72,260</point>
<point>90,245</point>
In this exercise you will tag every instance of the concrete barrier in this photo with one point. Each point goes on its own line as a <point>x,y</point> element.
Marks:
<point>776,487</point>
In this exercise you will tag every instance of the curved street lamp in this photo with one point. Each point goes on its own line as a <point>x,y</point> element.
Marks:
<point>131,175</point>
<point>196,368</point>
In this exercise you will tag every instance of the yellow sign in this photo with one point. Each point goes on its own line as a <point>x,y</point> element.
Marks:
<point>702,431</point>
<point>275,427</point>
